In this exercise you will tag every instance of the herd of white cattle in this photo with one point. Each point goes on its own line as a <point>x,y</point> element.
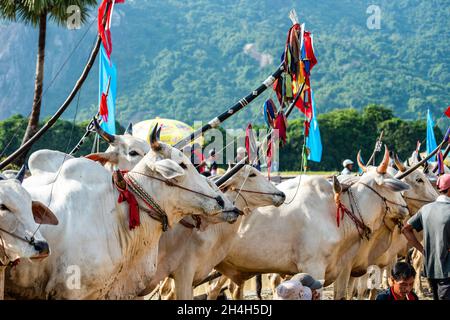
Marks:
<point>80,245</point>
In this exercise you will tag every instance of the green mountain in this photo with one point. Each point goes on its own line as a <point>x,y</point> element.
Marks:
<point>186,59</point>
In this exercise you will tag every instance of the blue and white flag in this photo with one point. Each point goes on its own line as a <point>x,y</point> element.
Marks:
<point>431,140</point>
<point>314,142</point>
<point>107,71</point>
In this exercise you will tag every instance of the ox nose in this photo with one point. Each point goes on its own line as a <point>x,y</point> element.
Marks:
<point>232,215</point>
<point>282,198</point>
<point>238,212</point>
<point>42,247</point>
<point>220,201</point>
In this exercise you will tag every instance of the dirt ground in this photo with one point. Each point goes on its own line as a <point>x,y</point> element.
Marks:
<point>327,293</point>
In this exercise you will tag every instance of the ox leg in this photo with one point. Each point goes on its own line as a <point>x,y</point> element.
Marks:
<point>216,288</point>
<point>2,282</point>
<point>353,284</point>
<point>237,289</point>
<point>341,283</point>
<point>167,290</point>
<point>183,283</point>
<point>275,280</point>
<point>258,286</point>
<point>373,294</point>
<point>361,287</point>
<point>386,273</point>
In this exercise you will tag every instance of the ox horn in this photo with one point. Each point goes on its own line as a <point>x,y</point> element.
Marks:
<point>102,133</point>
<point>129,129</point>
<point>384,164</point>
<point>407,172</point>
<point>21,174</point>
<point>158,133</point>
<point>360,164</point>
<point>399,164</point>
<point>153,139</point>
<point>337,187</point>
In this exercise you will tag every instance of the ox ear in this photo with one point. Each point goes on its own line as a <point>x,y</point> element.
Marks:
<point>168,168</point>
<point>42,214</point>
<point>395,185</point>
<point>104,157</point>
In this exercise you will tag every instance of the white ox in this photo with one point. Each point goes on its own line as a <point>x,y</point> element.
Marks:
<point>95,252</point>
<point>302,234</point>
<point>386,239</point>
<point>124,152</point>
<point>420,193</point>
<point>189,255</point>
<point>19,234</point>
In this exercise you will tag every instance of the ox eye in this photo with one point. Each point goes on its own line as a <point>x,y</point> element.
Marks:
<point>183,165</point>
<point>3,207</point>
<point>252,175</point>
<point>419,180</point>
<point>133,153</point>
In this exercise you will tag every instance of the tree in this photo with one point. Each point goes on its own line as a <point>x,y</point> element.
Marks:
<point>35,13</point>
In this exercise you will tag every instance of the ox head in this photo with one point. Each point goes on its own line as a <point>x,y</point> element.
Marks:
<point>386,185</point>
<point>254,190</point>
<point>124,151</point>
<point>193,193</point>
<point>421,191</point>
<point>17,225</point>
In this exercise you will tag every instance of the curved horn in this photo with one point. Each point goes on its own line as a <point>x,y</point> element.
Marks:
<point>158,133</point>
<point>360,164</point>
<point>399,164</point>
<point>384,164</point>
<point>21,174</point>
<point>153,139</point>
<point>418,156</point>
<point>102,133</point>
<point>404,174</point>
<point>129,129</point>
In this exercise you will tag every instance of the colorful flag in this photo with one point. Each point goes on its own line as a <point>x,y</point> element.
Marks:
<point>250,144</point>
<point>107,71</point>
<point>447,112</point>
<point>360,171</point>
<point>304,102</point>
<point>105,31</point>
<point>281,126</point>
<point>314,141</point>
<point>431,140</point>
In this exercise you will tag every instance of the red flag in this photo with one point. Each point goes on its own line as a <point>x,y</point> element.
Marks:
<point>308,43</point>
<point>277,87</point>
<point>269,157</point>
<point>250,144</point>
<point>447,112</point>
<point>307,126</point>
<point>104,108</point>
<point>304,104</point>
<point>104,31</point>
<point>281,126</point>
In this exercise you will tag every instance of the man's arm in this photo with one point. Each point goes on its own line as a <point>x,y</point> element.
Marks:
<point>411,237</point>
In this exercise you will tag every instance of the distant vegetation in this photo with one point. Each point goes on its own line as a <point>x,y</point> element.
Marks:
<point>185,59</point>
<point>343,132</point>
